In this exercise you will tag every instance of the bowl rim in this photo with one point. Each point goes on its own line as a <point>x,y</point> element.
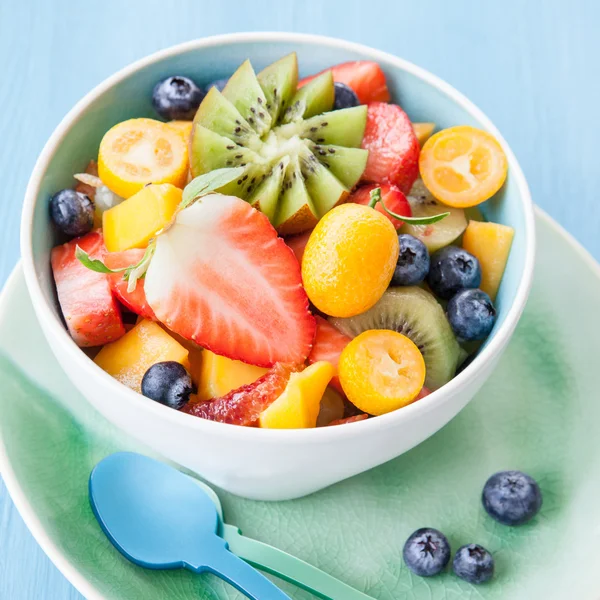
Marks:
<point>54,326</point>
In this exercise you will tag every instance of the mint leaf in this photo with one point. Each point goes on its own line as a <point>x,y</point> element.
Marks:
<point>376,197</point>
<point>209,182</point>
<point>423,220</point>
<point>92,264</point>
<point>130,274</point>
<point>135,272</point>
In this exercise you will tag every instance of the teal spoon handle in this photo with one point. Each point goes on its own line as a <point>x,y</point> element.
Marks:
<point>288,567</point>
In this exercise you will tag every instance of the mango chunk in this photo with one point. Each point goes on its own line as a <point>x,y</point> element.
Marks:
<point>132,223</point>
<point>298,407</point>
<point>490,243</point>
<point>423,131</point>
<point>219,375</point>
<point>128,359</point>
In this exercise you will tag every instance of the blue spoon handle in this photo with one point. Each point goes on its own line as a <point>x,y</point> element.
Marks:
<point>288,567</point>
<point>242,576</point>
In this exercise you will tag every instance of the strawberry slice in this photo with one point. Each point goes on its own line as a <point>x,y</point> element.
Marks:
<point>329,343</point>
<point>244,405</point>
<point>365,77</point>
<point>134,301</point>
<point>393,147</point>
<point>391,196</point>
<point>297,243</point>
<point>92,314</point>
<point>221,277</point>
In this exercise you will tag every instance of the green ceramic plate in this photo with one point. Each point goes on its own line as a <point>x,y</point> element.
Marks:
<point>539,412</point>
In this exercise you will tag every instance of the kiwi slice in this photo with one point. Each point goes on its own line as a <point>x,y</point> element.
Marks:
<point>436,235</point>
<point>300,158</point>
<point>415,313</point>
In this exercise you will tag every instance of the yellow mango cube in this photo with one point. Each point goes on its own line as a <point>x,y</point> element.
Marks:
<point>134,222</point>
<point>219,375</point>
<point>128,359</point>
<point>298,407</point>
<point>490,243</point>
<point>423,131</point>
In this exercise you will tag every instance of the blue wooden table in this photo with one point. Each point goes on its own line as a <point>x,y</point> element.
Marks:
<point>531,65</point>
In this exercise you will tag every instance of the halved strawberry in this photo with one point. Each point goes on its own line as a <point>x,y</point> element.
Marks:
<point>92,314</point>
<point>297,243</point>
<point>365,77</point>
<point>391,196</point>
<point>393,147</point>
<point>244,405</point>
<point>134,301</point>
<point>221,276</point>
<point>328,345</point>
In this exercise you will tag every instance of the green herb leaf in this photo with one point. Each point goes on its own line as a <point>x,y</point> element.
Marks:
<point>92,264</point>
<point>135,272</point>
<point>376,197</point>
<point>209,182</point>
<point>130,274</point>
<point>423,220</point>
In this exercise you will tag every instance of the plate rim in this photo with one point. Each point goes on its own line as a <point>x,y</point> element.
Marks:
<point>29,516</point>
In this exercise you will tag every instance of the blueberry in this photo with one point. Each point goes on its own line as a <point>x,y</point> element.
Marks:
<point>426,552</point>
<point>413,261</point>
<point>218,83</point>
<point>177,98</point>
<point>473,563</point>
<point>345,97</point>
<point>471,314</point>
<point>511,497</point>
<point>72,212</point>
<point>168,383</point>
<point>453,269</point>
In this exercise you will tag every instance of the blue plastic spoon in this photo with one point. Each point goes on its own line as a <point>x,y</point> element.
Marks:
<point>158,518</point>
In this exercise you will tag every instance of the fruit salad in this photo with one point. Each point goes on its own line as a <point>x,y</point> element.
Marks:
<point>278,252</point>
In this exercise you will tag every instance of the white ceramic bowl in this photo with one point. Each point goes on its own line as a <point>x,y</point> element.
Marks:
<point>256,463</point>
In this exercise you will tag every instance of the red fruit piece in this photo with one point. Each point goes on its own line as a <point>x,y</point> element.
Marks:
<point>297,243</point>
<point>221,277</point>
<point>424,392</point>
<point>365,77</point>
<point>392,197</point>
<point>92,314</point>
<point>134,301</point>
<point>393,147</point>
<point>244,405</point>
<point>328,345</point>
<point>354,419</point>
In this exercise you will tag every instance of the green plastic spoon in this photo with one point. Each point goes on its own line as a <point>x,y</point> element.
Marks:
<point>279,563</point>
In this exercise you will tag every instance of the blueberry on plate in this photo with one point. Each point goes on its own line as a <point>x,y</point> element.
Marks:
<point>473,563</point>
<point>218,83</point>
<point>426,552</point>
<point>72,212</point>
<point>453,269</point>
<point>345,96</point>
<point>511,497</point>
<point>471,314</point>
<point>413,261</point>
<point>168,383</point>
<point>177,98</point>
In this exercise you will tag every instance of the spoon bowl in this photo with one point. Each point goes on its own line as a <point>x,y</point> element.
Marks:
<point>160,518</point>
